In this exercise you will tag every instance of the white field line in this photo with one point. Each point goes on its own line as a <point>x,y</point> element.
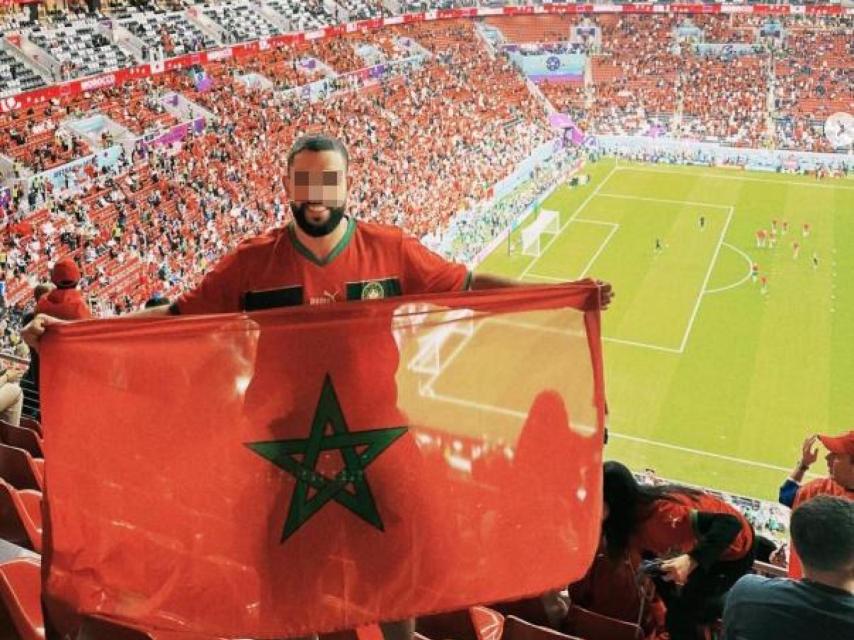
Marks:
<point>551,240</point>
<point>427,388</point>
<point>600,250</point>
<point>744,279</point>
<point>540,276</point>
<point>574,218</point>
<point>712,263</point>
<point>699,452</point>
<point>688,202</point>
<point>614,226</point>
<point>521,416</point>
<point>643,345</point>
<point>427,391</point>
<point>715,176</point>
<point>567,332</point>
<point>599,222</point>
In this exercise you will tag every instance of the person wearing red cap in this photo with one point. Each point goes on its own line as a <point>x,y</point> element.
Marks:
<point>65,302</point>
<point>839,481</point>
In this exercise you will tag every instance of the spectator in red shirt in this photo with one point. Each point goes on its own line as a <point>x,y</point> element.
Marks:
<point>703,545</point>
<point>65,302</point>
<point>839,481</point>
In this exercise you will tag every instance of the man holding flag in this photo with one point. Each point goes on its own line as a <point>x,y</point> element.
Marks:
<point>322,257</point>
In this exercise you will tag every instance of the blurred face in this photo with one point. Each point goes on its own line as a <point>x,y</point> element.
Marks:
<point>841,469</point>
<point>317,181</point>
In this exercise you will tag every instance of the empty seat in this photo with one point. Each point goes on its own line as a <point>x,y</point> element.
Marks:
<point>19,468</point>
<point>595,626</point>
<point>475,623</point>
<point>518,629</point>
<point>20,591</point>
<point>32,424</point>
<point>22,438</point>
<point>21,517</point>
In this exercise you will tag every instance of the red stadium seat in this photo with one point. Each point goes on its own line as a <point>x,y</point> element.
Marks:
<point>20,591</point>
<point>531,609</point>
<point>594,626</point>
<point>96,628</point>
<point>475,623</point>
<point>21,517</point>
<point>21,437</point>
<point>32,425</point>
<point>518,629</point>
<point>454,625</point>
<point>19,468</point>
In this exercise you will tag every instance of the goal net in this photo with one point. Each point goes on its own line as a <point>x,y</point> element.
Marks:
<point>547,222</point>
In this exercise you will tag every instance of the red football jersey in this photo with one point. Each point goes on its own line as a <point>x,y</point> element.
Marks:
<point>276,270</point>
<point>66,304</point>
<point>669,527</point>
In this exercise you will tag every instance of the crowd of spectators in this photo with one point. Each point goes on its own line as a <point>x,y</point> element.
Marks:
<point>726,100</point>
<point>813,79</point>
<point>447,128</point>
<point>156,223</point>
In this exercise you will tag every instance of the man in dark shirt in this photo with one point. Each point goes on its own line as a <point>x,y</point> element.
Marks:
<point>821,605</point>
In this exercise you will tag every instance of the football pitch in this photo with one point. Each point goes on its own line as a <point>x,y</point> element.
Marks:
<point>709,380</point>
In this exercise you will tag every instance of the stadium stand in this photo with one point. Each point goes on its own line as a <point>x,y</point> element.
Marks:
<point>156,220</point>
<point>170,32</point>
<point>81,49</point>
<point>304,16</point>
<point>240,21</point>
<point>16,76</point>
<point>363,9</point>
<point>726,100</point>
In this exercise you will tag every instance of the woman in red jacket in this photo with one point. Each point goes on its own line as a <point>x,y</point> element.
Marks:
<point>703,545</point>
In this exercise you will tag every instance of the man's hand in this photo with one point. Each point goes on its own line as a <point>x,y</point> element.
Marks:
<point>678,569</point>
<point>606,293</point>
<point>809,452</point>
<point>33,332</point>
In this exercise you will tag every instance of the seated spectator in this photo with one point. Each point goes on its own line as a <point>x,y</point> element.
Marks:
<point>30,380</point>
<point>839,482</point>
<point>704,544</point>
<point>66,301</point>
<point>11,398</point>
<point>821,605</point>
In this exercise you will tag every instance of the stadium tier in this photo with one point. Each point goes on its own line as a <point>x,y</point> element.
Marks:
<point>423,462</point>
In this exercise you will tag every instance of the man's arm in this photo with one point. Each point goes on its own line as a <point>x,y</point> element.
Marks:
<point>33,332</point>
<point>790,486</point>
<point>487,281</point>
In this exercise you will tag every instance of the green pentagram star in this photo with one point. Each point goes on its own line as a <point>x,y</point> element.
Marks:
<point>299,457</point>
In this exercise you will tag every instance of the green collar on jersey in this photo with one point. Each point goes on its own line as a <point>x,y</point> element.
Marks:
<point>307,253</point>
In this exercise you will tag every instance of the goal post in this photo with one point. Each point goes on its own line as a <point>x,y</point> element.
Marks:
<point>547,222</point>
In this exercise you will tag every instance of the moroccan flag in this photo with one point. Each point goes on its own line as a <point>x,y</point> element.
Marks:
<point>318,468</point>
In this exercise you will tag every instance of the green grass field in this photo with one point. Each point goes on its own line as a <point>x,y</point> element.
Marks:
<point>710,381</point>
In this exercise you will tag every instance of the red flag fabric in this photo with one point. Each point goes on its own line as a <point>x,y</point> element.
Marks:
<point>319,468</point>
